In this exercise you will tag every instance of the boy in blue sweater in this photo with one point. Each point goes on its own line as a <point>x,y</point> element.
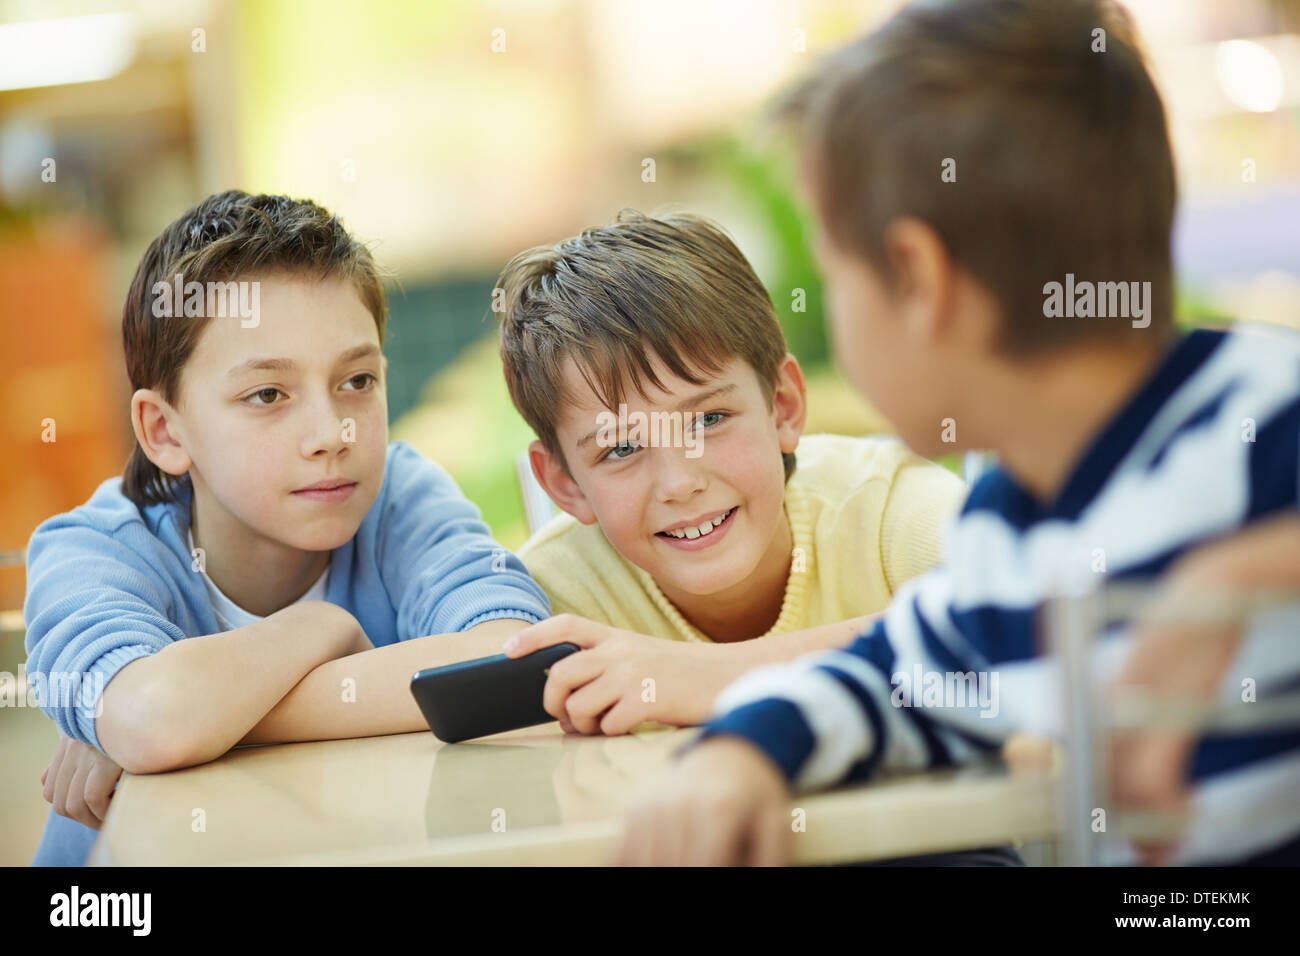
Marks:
<point>994,188</point>
<point>269,568</point>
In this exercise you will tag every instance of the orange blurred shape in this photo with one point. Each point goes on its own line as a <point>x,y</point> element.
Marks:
<point>62,429</point>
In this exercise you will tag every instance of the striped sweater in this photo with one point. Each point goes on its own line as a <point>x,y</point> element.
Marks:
<point>1210,443</point>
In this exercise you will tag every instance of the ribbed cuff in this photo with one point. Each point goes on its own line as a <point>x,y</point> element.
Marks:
<point>515,614</point>
<point>105,668</point>
<point>774,726</point>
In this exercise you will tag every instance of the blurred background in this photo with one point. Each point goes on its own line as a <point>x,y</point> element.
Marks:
<point>451,134</point>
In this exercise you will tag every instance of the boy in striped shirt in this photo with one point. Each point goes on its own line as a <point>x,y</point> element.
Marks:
<point>971,164</point>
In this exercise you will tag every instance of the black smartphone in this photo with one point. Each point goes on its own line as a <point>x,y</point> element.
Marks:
<point>487,695</point>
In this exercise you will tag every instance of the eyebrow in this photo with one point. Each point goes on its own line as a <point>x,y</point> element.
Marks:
<point>683,406</point>
<point>288,365</point>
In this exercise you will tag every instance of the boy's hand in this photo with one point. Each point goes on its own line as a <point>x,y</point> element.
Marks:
<point>79,782</point>
<point>1149,766</point>
<point>1181,661</point>
<point>620,679</point>
<point>723,804</point>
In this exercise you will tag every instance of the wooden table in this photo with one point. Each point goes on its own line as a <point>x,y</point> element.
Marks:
<point>529,797</point>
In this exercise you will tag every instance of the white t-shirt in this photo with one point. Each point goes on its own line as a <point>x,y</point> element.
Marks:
<point>230,615</point>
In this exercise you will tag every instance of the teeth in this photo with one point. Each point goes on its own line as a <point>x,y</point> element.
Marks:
<point>705,528</point>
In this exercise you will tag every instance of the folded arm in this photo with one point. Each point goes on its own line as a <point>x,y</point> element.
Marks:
<point>367,694</point>
<point>195,699</point>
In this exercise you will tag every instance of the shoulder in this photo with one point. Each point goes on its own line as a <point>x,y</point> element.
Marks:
<point>1254,339</point>
<point>1252,363</point>
<point>841,468</point>
<point>110,513</point>
<point>402,461</point>
<point>409,473</point>
<point>564,541</point>
<point>581,573</point>
<point>110,542</point>
<point>1267,362</point>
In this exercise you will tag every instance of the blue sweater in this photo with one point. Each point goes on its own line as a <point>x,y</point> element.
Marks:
<point>109,583</point>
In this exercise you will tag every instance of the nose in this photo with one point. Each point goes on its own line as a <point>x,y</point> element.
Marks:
<point>324,433</point>
<point>677,477</point>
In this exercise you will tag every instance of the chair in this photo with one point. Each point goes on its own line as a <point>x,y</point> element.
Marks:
<point>1071,624</point>
<point>538,506</point>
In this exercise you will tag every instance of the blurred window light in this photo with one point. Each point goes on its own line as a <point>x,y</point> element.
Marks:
<point>1249,75</point>
<point>24,143</point>
<point>70,50</point>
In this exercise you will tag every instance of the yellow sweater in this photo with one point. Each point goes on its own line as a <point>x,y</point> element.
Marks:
<point>865,514</point>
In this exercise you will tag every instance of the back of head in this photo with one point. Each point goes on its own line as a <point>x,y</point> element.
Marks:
<point>615,297</point>
<point>1051,134</point>
<point>225,237</point>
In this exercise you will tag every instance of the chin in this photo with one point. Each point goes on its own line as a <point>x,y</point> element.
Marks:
<point>706,584</point>
<point>323,539</point>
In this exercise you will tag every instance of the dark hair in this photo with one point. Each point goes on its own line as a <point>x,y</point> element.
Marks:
<point>1061,153</point>
<point>615,295</point>
<point>224,236</point>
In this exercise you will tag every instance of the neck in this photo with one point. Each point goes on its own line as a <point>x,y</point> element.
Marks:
<point>750,608</point>
<point>259,574</point>
<point>1057,406</point>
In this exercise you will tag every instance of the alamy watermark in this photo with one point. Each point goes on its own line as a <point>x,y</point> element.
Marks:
<point>63,690</point>
<point>652,429</point>
<point>129,910</point>
<point>946,689</point>
<point>211,300</point>
<point>1102,300</point>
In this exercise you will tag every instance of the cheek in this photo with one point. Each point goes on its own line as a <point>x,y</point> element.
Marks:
<point>749,462</point>
<point>244,485</point>
<point>847,334</point>
<point>620,512</point>
<point>242,461</point>
<point>862,348</point>
<point>371,423</point>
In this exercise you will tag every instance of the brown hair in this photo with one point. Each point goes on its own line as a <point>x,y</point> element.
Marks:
<point>1062,154</point>
<point>226,235</point>
<point>616,295</point>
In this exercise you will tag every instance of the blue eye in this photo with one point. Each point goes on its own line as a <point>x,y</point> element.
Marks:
<point>611,453</point>
<point>716,421</point>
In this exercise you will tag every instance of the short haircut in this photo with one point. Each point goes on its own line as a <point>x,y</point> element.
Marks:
<point>1062,155</point>
<point>614,297</point>
<point>227,235</point>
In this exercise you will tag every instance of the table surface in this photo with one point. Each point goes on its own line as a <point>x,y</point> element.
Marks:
<point>532,796</point>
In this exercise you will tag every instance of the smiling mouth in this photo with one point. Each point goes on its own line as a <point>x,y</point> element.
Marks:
<point>702,530</point>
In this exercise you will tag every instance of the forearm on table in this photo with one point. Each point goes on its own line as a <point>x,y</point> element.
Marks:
<point>785,647</point>
<point>195,699</point>
<point>368,694</point>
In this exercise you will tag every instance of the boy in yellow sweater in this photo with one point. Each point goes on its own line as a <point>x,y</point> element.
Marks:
<point>648,359</point>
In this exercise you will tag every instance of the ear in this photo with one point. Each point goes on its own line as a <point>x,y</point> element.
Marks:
<point>153,420</point>
<point>551,474</point>
<point>789,403</point>
<point>925,277</point>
